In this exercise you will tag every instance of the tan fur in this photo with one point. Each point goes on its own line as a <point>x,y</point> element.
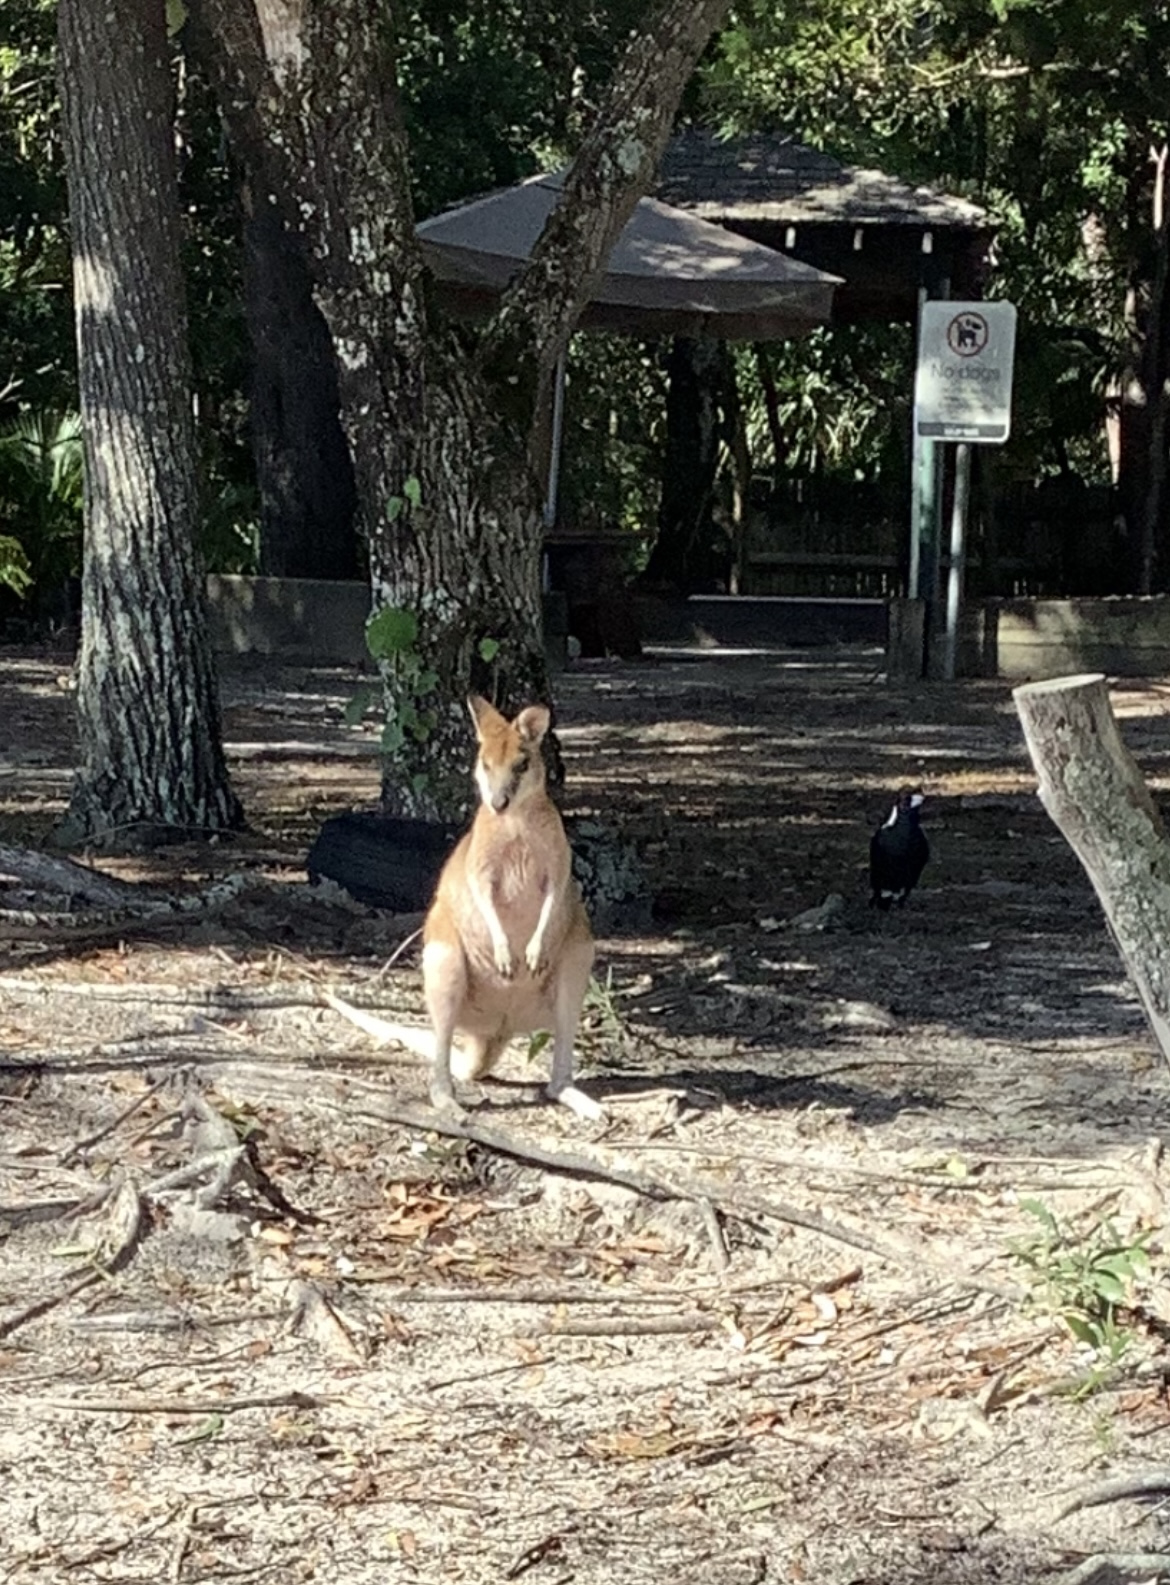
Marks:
<point>507,947</point>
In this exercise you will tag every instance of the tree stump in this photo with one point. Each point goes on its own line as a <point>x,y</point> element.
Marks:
<point>1093,790</point>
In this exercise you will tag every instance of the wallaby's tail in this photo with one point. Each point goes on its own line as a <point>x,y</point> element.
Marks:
<point>412,1036</point>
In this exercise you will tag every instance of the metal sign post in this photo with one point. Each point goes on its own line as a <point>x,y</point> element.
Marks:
<point>963,394</point>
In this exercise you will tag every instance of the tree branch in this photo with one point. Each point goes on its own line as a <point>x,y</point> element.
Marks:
<point>614,167</point>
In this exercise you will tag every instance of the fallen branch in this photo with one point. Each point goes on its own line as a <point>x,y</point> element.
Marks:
<point>220,999</point>
<point>37,1211</point>
<point>626,1326</point>
<point>357,1098</point>
<point>1151,1483</point>
<point>206,1406</point>
<point>403,1294</point>
<point>33,1312</point>
<point>1119,1568</point>
<point>66,878</point>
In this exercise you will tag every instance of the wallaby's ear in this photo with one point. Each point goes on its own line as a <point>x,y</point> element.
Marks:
<point>481,711</point>
<point>533,722</point>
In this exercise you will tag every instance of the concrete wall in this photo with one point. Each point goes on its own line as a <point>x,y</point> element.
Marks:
<point>315,617</point>
<point>289,616</point>
<point>1030,640</point>
<point>1018,639</point>
<point>761,621</point>
<point>1128,636</point>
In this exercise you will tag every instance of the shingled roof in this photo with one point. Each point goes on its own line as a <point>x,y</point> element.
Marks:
<point>771,177</point>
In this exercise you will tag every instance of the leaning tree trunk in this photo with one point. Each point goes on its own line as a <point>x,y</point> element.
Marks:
<point>151,758</point>
<point>1094,792</point>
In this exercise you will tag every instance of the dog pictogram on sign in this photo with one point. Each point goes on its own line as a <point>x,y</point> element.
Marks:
<point>967,335</point>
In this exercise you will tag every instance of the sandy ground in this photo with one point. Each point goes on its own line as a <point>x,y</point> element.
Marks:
<point>765,1324</point>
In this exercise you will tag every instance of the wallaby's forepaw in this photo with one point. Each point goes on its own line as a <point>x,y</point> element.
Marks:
<point>534,957</point>
<point>505,968</point>
<point>578,1102</point>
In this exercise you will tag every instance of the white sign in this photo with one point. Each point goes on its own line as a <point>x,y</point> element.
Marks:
<point>963,386</point>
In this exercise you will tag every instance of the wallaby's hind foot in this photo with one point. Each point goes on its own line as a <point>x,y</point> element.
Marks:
<point>578,1102</point>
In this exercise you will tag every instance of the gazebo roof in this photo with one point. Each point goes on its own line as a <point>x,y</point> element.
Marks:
<point>885,237</point>
<point>773,177</point>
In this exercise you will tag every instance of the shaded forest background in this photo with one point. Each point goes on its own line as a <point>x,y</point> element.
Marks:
<point>1051,116</point>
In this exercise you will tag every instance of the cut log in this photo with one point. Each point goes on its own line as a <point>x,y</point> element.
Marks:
<point>1093,790</point>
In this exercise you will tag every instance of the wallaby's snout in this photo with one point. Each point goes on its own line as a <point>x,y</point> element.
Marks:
<point>509,766</point>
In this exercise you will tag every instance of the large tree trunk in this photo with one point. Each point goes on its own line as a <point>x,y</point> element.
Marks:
<point>151,759</point>
<point>684,556</point>
<point>1092,788</point>
<point>303,467</point>
<point>1144,396</point>
<point>442,441</point>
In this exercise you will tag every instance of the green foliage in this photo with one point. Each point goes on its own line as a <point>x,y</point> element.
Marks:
<point>496,91</point>
<point>41,497</point>
<point>615,423</point>
<point>391,632</point>
<point>15,568</point>
<point>1041,110</point>
<point>36,328</point>
<point>1085,1280</point>
<point>409,499</point>
<point>392,639</point>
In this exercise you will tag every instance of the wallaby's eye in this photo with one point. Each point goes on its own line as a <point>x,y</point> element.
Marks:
<point>521,766</point>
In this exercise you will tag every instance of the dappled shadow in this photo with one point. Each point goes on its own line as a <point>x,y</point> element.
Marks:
<point>749,785</point>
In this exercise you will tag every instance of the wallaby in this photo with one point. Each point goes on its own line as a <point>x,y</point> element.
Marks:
<point>507,947</point>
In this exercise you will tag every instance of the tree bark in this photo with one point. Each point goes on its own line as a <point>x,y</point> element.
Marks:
<point>303,467</point>
<point>151,757</point>
<point>442,441</point>
<point>684,554</point>
<point>1142,441</point>
<point>1094,791</point>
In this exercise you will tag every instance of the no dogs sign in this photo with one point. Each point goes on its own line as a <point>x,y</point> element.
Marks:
<point>963,385</point>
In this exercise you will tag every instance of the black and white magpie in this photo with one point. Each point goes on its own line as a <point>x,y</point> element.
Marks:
<point>898,852</point>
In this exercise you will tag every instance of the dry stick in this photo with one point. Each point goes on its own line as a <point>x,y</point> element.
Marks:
<point>38,1211</point>
<point>490,1295</point>
<point>207,1406</point>
<point>183,1542</point>
<point>33,1312</point>
<point>396,954</point>
<point>82,1145</point>
<point>1110,1568</point>
<point>737,1203</point>
<point>627,1326</point>
<point>1153,1483</point>
<point>362,1099</point>
<point>720,1259</point>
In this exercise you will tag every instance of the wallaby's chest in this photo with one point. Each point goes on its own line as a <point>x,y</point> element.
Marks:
<point>513,869</point>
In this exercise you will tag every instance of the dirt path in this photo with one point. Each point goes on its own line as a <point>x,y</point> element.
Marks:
<point>354,1351</point>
